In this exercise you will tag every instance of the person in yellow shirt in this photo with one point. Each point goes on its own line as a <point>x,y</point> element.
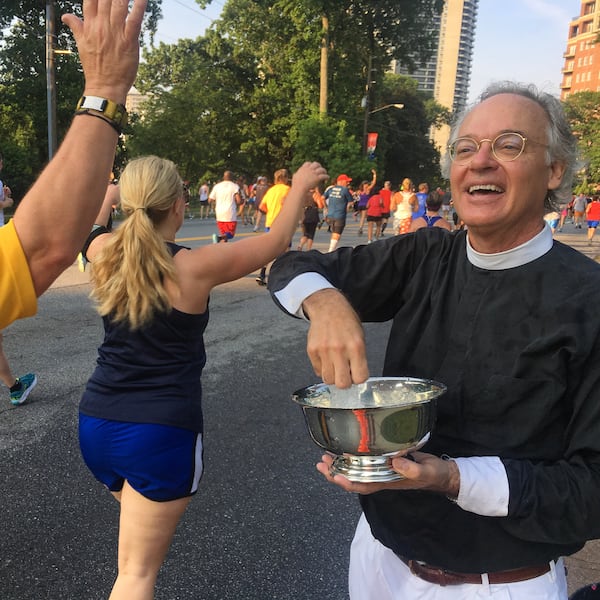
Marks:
<point>271,205</point>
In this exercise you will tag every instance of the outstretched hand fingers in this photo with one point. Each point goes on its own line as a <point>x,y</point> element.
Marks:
<point>108,43</point>
<point>74,23</point>
<point>133,24</point>
<point>418,471</point>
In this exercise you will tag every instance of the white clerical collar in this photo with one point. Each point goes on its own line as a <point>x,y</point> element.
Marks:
<point>515,257</point>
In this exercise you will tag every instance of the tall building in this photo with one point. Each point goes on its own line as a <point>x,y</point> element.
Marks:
<point>446,76</point>
<point>581,71</point>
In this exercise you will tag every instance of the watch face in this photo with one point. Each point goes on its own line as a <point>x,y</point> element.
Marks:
<point>111,111</point>
<point>95,103</point>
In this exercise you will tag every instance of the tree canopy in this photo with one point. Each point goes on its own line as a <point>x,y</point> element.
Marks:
<point>247,94</point>
<point>583,111</point>
<point>23,91</point>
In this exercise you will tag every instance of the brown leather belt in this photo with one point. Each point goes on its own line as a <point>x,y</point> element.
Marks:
<point>442,577</point>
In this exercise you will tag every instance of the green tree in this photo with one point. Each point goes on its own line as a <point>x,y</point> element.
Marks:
<point>326,140</point>
<point>404,148</point>
<point>244,96</point>
<point>17,139</point>
<point>199,107</point>
<point>247,94</point>
<point>583,112</point>
<point>284,37</point>
<point>23,82</point>
<point>23,88</point>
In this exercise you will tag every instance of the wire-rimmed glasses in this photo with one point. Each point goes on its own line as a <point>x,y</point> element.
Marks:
<point>506,147</point>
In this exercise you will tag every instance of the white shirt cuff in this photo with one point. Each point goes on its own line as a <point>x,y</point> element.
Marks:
<point>483,486</point>
<point>298,290</point>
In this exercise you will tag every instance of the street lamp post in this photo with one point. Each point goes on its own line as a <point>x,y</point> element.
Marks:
<point>399,106</point>
<point>366,103</point>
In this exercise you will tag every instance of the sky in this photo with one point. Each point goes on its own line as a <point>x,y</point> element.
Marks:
<point>522,40</point>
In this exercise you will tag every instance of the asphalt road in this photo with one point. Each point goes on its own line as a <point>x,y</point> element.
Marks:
<point>263,526</point>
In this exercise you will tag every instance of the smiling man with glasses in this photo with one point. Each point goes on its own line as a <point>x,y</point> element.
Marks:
<point>506,317</point>
<point>503,155</point>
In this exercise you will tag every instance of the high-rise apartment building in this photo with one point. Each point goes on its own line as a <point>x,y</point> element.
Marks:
<point>581,71</point>
<point>446,76</point>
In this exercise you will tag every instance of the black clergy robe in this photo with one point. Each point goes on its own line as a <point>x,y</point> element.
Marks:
<point>519,350</point>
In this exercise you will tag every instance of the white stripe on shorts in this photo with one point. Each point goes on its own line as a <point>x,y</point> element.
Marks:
<point>198,464</point>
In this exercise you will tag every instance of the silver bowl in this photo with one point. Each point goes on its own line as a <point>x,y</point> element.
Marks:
<point>366,424</point>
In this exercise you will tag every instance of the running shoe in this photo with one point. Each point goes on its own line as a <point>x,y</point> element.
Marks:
<point>215,238</point>
<point>28,382</point>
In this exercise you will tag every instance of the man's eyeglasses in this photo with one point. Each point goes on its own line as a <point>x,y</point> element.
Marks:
<point>505,147</point>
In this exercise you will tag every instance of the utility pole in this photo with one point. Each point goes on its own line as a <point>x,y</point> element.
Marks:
<point>50,79</point>
<point>367,103</point>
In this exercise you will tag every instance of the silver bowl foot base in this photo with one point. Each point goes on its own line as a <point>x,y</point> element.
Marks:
<point>365,469</point>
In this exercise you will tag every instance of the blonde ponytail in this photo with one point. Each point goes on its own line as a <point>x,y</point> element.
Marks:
<point>130,271</point>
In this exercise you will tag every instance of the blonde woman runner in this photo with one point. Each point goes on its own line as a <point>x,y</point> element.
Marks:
<point>140,422</point>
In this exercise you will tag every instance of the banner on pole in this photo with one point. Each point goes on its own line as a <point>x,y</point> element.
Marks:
<point>371,142</point>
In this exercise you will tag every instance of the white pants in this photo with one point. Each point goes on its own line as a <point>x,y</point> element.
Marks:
<point>376,573</point>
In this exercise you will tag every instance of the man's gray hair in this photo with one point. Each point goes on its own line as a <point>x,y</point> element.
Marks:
<point>562,144</point>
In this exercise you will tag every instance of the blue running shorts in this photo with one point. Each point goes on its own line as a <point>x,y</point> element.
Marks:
<point>159,461</point>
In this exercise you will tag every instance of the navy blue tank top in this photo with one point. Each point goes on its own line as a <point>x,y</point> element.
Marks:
<point>431,221</point>
<point>152,374</point>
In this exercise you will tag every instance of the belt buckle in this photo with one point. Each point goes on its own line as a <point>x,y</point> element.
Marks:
<point>433,575</point>
<point>412,564</point>
<point>436,575</point>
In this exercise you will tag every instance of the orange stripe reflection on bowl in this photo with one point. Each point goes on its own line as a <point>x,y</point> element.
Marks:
<point>363,423</point>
